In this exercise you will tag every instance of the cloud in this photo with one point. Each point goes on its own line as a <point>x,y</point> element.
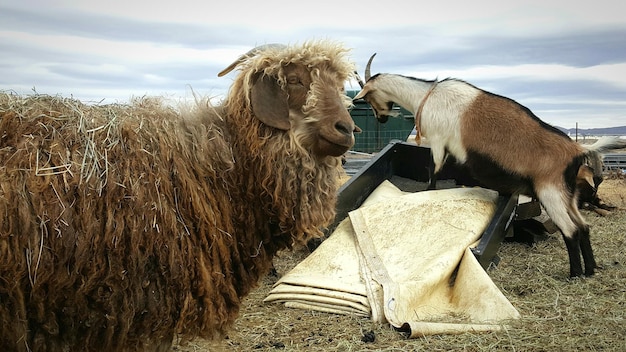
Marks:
<point>559,58</point>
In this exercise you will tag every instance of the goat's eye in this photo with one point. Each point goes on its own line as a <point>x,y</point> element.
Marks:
<point>293,79</point>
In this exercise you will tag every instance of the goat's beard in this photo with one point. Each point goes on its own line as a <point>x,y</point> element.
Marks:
<point>297,187</point>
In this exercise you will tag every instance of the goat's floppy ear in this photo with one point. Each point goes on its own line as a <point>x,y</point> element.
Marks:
<point>362,93</point>
<point>270,102</point>
<point>585,174</point>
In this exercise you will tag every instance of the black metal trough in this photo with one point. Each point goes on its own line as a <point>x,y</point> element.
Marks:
<point>401,160</point>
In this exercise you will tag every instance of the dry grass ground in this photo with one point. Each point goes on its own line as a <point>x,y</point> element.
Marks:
<point>558,314</point>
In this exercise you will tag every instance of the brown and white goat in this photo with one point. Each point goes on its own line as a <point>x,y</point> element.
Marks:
<point>503,144</point>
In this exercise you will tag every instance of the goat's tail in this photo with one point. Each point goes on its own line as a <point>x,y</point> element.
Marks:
<point>605,144</point>
<point>593,157</point>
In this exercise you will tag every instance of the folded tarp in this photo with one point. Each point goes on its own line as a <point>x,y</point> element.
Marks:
<point>405,258</point>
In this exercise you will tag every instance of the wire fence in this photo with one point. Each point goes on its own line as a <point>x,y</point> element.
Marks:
<point>374,141</point>
<point>614,161</point>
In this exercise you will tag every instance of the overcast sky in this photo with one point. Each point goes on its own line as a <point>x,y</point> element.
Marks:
<point>565,60</point>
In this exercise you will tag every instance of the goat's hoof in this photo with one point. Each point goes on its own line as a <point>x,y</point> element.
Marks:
<point>576,274</point>
<point>592,271</point>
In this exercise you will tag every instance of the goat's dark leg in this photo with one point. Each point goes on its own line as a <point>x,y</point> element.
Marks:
<point>587,251</point>
<point>582,234</point>
<point>432,177</point>
<point>573,251</point>
<point>564,212</point>
<point>438,159</point>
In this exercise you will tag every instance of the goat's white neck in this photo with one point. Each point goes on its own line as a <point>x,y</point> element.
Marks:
<point>407,92</point>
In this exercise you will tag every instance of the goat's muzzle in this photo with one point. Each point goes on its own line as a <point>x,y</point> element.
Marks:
<point>338,139</point>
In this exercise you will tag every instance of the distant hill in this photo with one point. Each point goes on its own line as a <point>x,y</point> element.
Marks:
<point>609,131</point>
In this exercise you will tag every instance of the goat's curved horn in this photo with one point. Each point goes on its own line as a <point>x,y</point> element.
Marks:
<point>248,55</point>
<point>368,74</point>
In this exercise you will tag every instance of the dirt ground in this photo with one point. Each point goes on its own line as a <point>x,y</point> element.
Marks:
<point>558,314</point>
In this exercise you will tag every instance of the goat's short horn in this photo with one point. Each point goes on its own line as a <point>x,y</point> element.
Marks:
<point>248,55</point>
<point>368,73</point>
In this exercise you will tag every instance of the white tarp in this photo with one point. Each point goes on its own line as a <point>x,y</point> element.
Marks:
<point>405,258</point>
